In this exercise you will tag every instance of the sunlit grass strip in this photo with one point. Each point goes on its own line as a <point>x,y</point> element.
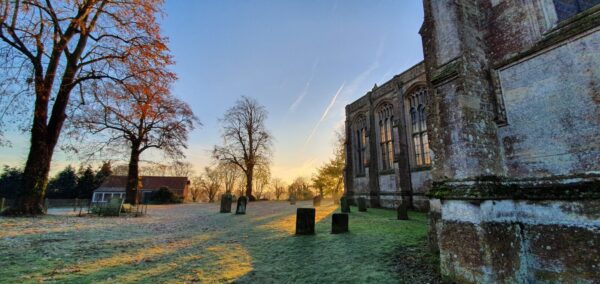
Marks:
<point>132,258</point>
<point>288,223</point>
<point>12,229</point>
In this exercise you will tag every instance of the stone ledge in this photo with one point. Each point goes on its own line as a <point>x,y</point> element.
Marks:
<point>496,188</point>
<point>446,72</point>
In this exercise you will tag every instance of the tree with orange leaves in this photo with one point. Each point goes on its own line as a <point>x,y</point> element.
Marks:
<point>56,47</point>
<point>138,117</point>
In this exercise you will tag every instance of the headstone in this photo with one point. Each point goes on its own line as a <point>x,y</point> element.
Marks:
<point>345,204</point>
<point>241,205</point>
<point>305,221</point>
<point>292,200</point>
<point>362,204</point>
<point>317,201</point>
<point>339,223</point>
<point>402,211</point>
<point>226,200</point>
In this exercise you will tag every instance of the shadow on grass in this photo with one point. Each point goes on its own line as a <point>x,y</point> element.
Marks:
<point>256,248</point>
<point>366,254</point>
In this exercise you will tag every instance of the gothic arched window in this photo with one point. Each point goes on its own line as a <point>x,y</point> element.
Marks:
<point>360,145</point>
<point>418,124</point>
<point>385,115</point>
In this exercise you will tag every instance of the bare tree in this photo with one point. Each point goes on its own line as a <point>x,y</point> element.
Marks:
<point>196,188</point>
<point>261,181</point>
<point>231,175</point>
<point>278,187</point>
<point>246,141</point>
<point>210,183</point>
<point>150,169</point>
<point>120,170</point>
<point>141,118</point>
<point>60,46</point>
<point>181,169</point>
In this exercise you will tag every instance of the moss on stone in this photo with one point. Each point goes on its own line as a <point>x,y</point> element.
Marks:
<point>488,187</point>
<point>447,71</point>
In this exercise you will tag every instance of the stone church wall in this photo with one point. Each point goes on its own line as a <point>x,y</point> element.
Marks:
<point>553,96</point>
<point>515,131</point>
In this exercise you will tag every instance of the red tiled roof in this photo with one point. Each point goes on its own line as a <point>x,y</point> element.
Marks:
<point>117,183</point>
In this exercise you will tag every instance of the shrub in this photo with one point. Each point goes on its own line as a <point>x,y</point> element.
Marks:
<point>165,196</point>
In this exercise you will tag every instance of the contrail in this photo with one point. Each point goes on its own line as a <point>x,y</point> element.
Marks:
<point>312,133</point>
<point>306,86</point>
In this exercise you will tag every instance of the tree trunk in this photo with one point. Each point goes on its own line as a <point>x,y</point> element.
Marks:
<point>249,177</point>
<point>131,190</point>
<point>44,137</point>
<point>30,200</point>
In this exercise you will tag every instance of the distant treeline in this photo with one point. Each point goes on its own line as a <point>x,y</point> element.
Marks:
<point>66,184</point>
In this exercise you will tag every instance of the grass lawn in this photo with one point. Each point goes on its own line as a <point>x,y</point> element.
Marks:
<point>194,243</point>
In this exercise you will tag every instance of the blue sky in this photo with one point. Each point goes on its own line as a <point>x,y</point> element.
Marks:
<point>304,60</point>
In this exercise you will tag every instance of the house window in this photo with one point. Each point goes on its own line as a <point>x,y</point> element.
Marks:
<point>386,140</point>
<point>360,138</point>
<point>568,8</point>
<point>418,127</point>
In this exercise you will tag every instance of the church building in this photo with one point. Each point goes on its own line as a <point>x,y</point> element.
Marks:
<point>497,134</point>
<point>387,147</point>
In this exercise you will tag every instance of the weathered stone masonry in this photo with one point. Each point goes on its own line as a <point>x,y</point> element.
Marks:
<point>513,123</point>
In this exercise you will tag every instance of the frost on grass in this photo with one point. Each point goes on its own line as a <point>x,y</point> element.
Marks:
<point>194,243</point>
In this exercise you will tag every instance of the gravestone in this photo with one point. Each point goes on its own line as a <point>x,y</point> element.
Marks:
<point>226,200</point>
<point>339,223</point>
<point>362,204</point>
<point>317,201</point>
<point>292,200</point>
<point>345,204</point>
<point>305,221</point>
<point>402,211</point>
<point>241,205</point>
